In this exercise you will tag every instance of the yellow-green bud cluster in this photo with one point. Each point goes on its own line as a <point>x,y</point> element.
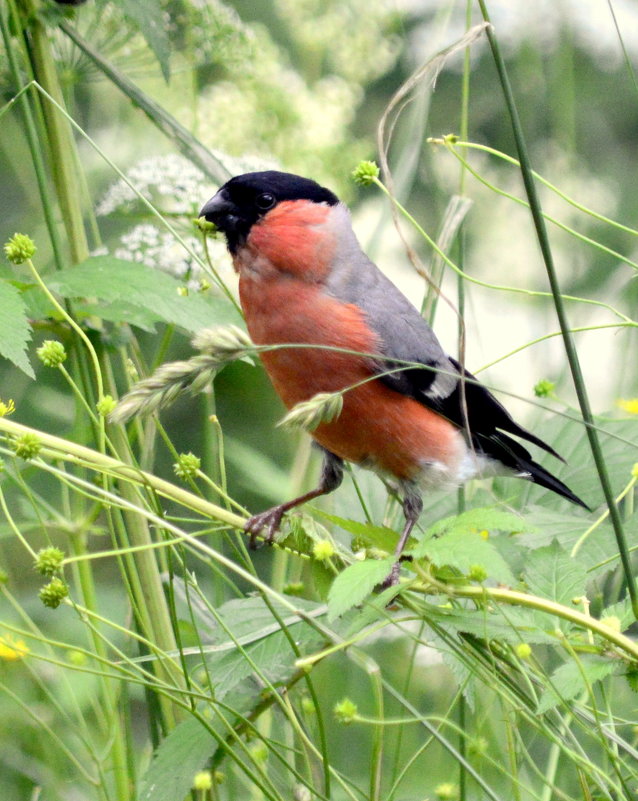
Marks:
<point>105,405</point>
<point>365,173</point>
<point>27,446</point>
<point>523,650</point>
<point>19,248</point>
<point>51,353</point>
<point>322,550</point>
<point>447,791</point>
<point>48,561</point>
<point>203,780</point>
<point>544,388</point>
<point>346,711</point>
<point>187,465</point>
<point>477,573</point>
<point>53,593</point>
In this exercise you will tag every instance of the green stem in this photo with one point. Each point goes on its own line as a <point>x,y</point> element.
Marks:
<point>570,347</point>
<point>46,197</point>
<point>517,598</point>
<point>60,138</point>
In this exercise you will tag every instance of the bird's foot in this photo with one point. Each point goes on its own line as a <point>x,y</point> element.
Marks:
<point>269,520</point>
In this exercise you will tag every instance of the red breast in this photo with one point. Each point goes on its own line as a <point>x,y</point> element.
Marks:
<point>283,267</point>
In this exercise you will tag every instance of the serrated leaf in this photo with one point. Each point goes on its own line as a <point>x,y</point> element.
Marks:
<point>184,751</point>
<point>571,679</point>
<point>262,645</point>
<point>116,280</point>
<point>380,537</point>
<point>15,330</point>
<point>506,624</point>
<point>119,311</point>
<point>356,582</point>
<point>463,550</point>
<point>568,529</point>
<point>551,573</point>
<point>489,518</point>
<point>148,18</point>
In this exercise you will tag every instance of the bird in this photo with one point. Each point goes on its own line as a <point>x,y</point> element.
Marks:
<point>410,412</point>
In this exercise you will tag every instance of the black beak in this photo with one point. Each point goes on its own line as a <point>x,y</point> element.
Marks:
<point>218,210</point>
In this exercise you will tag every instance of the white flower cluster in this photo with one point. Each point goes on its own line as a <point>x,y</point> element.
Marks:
<point>171,182</point>
<point>148,244</point>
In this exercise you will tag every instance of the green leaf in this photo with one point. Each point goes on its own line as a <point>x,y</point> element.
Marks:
<point>571,679</point>
<point>354,583</point>
<point>15,330</point>
<point>262,643</point>
<point>464,550</point>
<point>185,751</point>
<point>499,623</point>
<point>380,537</point>
<point>551,573</point>
<point>492,518</point>
<point>154,292</point>
<point>118,312</point>
<point>148,18</point>
<point>567,528</point>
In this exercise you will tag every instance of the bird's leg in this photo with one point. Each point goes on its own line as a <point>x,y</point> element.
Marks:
<point>412,508</point>
<point>331,478</point>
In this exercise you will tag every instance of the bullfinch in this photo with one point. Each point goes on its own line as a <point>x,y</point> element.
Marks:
<point>304,280</point>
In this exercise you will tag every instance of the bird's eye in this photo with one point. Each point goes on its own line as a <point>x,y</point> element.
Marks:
<point>265,201</point>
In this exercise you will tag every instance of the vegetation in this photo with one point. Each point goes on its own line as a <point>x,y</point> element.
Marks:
<point>145,653</point>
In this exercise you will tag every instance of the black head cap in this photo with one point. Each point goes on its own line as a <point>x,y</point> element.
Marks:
<point>244,199</point>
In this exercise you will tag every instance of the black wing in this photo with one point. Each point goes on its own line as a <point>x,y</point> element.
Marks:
<point>405,336</point>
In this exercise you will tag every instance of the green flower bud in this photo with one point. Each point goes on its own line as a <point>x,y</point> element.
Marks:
<point>105,405</point>
<point>365,172</point>
<point>345,711</point>
<point>27,446</point>
<point>48,561</point>
<point>447,791</point>
<point>478,746</point>
<point>187,465</point>
<point>19,248</point>
<point>523,650</point>
<point>53,593</point>
<point>477,573</point>
<point>544,388</point>
<point>322,550</point>
<point>51,353</point>
<point>203,780</point>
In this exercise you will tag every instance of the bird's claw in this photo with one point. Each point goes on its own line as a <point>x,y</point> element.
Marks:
<point>270,520</point>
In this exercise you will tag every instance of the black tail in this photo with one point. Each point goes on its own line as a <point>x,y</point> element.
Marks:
<point>514,455</point>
